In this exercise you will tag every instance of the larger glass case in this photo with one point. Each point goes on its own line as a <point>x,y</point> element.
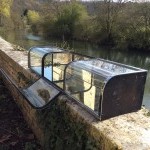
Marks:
<point>102,87</point>
<point>107,88</point>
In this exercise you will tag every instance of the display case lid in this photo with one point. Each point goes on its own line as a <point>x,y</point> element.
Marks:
<point>103,67</point>
<point>40,93</point>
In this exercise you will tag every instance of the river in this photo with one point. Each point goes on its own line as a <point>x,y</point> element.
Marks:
<point>137,59</point>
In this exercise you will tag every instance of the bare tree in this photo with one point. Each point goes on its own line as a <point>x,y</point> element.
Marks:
<point>107,15</point>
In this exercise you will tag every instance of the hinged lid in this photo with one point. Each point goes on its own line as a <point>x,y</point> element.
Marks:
<point>41,93</point>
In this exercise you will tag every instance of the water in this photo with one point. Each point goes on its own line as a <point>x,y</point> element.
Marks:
<point>137,59</point>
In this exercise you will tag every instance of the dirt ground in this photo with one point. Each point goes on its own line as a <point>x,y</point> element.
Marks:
<point>14,131</point>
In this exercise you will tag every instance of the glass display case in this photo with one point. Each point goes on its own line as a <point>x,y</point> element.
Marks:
<point>104,88</point>
<point>39,62</point>
<point>107,88</point>
<point>50,61</point>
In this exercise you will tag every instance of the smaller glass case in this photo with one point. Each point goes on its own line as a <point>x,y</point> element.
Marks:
<point>50,61</point>
<point>38,59</point>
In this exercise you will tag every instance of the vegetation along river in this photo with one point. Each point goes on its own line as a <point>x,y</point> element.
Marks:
<point>137,59</point>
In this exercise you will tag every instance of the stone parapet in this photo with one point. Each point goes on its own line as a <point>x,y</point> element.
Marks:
<point>64,124</point>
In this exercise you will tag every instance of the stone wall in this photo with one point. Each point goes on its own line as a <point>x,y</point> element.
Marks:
<point>66,126</point>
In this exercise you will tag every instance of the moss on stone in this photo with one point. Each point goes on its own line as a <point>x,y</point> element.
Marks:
<point>18,48</point>
<point>21,77</point>
<point>148,114</point>
<point>61,131</point>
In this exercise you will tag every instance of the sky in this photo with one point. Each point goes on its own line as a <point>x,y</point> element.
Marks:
<point>140,1</point>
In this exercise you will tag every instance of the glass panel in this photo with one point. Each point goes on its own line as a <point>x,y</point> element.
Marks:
<point>40,93</point>
<point>103,68</point>
<point>84,85</point>
<point>77,80</point>
<point>58,72</point>
<point>88,66</point>
<point>90,98</point>
<point>48,67</point>
<point>59,62</point>
<point>35,62</point>
<point>111,67</point>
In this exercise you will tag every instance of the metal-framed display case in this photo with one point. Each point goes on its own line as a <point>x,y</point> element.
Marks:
<point>104,88</point>
<point>50,61</point>
<point>109,89</point>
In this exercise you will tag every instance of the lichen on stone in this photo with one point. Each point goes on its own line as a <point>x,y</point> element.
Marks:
<point>22,77</point>
<point>148,114</point>
<point>18,48</point>
<point>145,111</point>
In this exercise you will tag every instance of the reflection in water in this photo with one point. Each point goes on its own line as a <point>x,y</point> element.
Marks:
<point>136,59</point>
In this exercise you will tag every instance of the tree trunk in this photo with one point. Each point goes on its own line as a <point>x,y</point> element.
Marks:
<point>1,20</point>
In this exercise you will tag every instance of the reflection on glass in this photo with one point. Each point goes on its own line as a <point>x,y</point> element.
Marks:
<point>36,62</point>
<point>83,84</point>
<point>60,60</point>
